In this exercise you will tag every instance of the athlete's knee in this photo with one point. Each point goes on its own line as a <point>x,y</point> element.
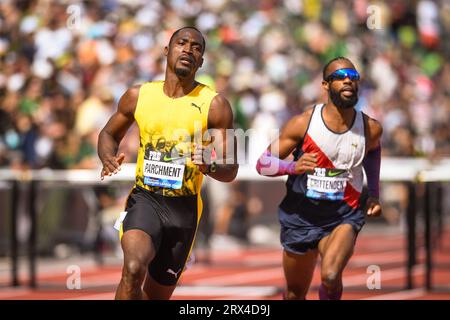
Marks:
<point>134,270</point>
<point>330,278</point>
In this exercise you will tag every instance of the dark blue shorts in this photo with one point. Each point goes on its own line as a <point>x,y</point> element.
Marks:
<point>304,235</point>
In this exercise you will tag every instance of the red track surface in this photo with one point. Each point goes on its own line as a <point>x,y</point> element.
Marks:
<point>256,274</point>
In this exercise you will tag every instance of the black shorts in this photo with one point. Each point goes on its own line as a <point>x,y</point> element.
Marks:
<point>304,235</point>
<point>171,222</point>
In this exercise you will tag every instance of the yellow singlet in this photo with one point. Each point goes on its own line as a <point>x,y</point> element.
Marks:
<point>168,128</point>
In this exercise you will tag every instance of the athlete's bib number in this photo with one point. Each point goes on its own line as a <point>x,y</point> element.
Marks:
<point>327,184</point>
<point>163,174</point>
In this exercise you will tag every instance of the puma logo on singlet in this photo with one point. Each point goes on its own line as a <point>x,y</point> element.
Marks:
<point>196,106</point>
<point>175,274</point>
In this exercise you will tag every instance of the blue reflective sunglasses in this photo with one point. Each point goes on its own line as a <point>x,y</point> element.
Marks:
<point>341,74</point>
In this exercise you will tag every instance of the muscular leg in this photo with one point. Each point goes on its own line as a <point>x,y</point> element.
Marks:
<point>298,271</point>
<point>335,251</point>
<point>138,252</point>
<point>156,291</point>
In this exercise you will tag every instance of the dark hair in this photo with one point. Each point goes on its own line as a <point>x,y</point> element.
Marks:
<point>188,27</point>
<point>324,71</point>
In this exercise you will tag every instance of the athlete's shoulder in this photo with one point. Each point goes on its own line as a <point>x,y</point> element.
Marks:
<point>220,101</point>
<point>302,120</point>
<point>220,113</point>
<point>374,127</point>
<point>297,125</point>
<point>220,105</point>
<point>307,114</point>
<point>128,101</point>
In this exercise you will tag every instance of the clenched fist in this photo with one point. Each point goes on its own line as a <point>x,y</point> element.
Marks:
<point>201,156</point>
<point>307,162</point>
<point>373,207</point>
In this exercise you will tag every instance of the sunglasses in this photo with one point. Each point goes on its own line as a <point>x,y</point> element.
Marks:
<point>341,74</point>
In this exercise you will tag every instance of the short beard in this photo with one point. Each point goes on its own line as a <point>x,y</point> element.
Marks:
<point>181,72</point>
<point>335,97</point>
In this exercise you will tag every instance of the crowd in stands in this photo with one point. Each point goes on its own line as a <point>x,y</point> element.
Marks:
<point>65,64</point>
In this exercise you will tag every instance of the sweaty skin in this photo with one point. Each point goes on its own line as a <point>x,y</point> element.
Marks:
<point>338,120</point>
<point>336,248</point>
<point>184,56</point>
<point>185,53</point>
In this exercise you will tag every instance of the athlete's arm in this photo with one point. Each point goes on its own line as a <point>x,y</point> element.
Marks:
<point>372,163</point>
<point>271,164</point>
<point>113,132</point>
<point>220,118</point>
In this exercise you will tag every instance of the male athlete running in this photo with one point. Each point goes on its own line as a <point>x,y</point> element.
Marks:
<point>321,213</point>
<point>164,207</point>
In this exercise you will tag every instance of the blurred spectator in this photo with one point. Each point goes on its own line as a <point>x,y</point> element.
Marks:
<point>64,70</point>
<point>64,65</point>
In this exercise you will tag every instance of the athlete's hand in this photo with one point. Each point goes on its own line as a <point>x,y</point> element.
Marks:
<point>373,207</point>
<point>307,162</point>
<point>112,165</point>
<point>201,156</point>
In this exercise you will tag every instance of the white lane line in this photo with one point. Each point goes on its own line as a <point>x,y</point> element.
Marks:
<point>96,296</point>
<point>277,273</point>
<point>242,291</point>
<point>242,277</point>
<point>400,295</point>
<point>200,291</point>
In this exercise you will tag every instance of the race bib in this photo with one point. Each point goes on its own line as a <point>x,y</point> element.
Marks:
<point>327,184</point>
<point>163,174</point>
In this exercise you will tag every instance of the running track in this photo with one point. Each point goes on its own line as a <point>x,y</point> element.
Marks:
<point>252,274</point>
